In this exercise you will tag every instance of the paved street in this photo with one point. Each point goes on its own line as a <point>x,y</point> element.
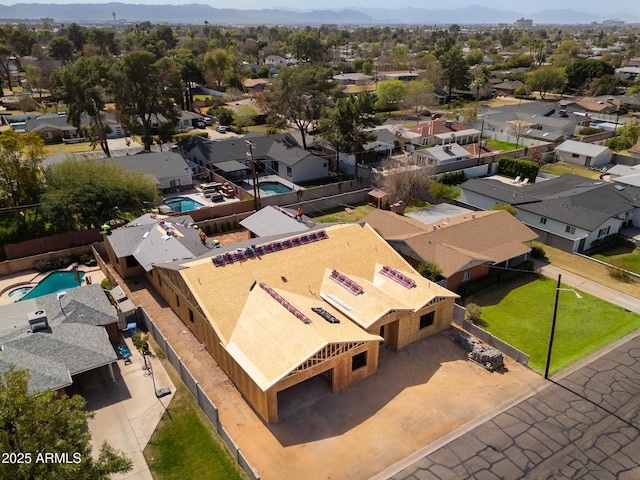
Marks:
<point>583,424</point>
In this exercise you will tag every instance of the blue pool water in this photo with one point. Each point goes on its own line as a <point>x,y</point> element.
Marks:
<point>182,204</point>
<point>274,188</point>
<point>53,283</point>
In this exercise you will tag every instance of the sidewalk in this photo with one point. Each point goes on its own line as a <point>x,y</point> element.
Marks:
<point>588,286</point>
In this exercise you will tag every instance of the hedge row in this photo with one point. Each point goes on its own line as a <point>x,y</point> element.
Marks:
<point>512,167</point>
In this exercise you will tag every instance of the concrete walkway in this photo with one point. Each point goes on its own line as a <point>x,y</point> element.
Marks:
<point>588,286</point>
<point>127,411</point>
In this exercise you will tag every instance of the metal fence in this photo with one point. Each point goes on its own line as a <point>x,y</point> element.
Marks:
<point>205,403</point>
<point>486,337</point>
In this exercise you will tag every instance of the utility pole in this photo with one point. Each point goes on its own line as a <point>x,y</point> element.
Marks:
<point>254,176</point>
<point>480,142</point>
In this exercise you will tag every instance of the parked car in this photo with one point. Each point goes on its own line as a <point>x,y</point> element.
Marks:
<point>200,124</point>
<point>435,116</point>
<point>207,120</point>
<point>222,128</point>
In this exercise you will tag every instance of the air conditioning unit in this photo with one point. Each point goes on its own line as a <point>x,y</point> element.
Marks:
<point>38,321</point>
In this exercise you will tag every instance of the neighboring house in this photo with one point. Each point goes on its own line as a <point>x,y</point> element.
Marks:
<point>255,85</point>
<point>567,212</point>
<point>440,132</point>
<point>582,153</point>
<point>383,146</point>
<point>53,128</point>
<point>150,239</point>
<point>276,60</point>
<point>443,158</point>
<point>403,75</point>
<point>279,154</point>
<point>602,104</point>
<point>58,336</point>
<point>624,175</point>
<point>277,311</point>
<point>507,88</point>
<point>628,73</point>
<point>480,149</point>
<point>275,220</point>
<point>465,247</point>
<point>352,79</point>
<point>169,169</point>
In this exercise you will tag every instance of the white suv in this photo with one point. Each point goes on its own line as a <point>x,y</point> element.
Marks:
<point>222,128</point>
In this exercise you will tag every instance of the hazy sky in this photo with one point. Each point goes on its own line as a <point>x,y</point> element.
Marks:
<point>587,6</point>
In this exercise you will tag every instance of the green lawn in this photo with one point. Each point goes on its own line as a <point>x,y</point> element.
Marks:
<point>520,312</point>
<point>560,168</point>
<point>342,215</point>
<point>504,146</point>
<point>621,255</point>
<point>186,445</point>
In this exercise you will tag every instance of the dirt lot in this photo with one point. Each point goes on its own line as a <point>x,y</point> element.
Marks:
<point>418,394</point>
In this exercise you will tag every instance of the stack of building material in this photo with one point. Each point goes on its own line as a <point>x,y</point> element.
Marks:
<point>484,355</point>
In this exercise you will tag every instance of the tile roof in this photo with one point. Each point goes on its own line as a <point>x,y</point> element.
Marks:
<point>439,126</point>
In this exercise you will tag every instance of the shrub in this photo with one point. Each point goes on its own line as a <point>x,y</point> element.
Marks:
<point>473,314</point>
<point>619,274</point>
<point>106,284</point>
<point>159,353</point>
<point>509,208</point>
<point>538,252</point>
<point>512,167</point>
<point>140,340</point>
<point>589,131</point>
<point>430,270</point>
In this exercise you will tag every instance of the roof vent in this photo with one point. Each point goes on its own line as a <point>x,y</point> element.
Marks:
<point>38,321</point>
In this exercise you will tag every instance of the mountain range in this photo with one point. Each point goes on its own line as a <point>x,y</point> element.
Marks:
<point>91,13</point>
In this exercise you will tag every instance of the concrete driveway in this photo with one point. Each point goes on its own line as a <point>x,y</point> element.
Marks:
<point>127,411</point>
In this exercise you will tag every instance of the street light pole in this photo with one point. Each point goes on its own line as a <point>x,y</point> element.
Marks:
<point>553,329</point>
<point>254,176</point>
<point>553,323</point>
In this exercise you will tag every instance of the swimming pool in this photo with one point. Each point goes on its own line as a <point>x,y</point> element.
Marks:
<point>53,283</point>
<point>273,188</point>
<point>182,204</point>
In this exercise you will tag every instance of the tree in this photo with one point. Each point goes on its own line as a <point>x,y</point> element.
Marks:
<point>619,143</point>
<point>35,423</point>
<point>454,68</point>
<point>35,79</point>
<point>245,115</point>
<point>216,65</point>
<point>144,90</point>
<point>438,191</point>
<point>82,86</point>
<point>77,35</point>
<point>419,96</point>
<point>298,95</point>
<point>545,79</point>
<point>60,48</point>
<point>630,130</point>
<point>354,117</point>
<point>391,94</point>
<point>20,161</point>
<point>307,46</point>
<point>87,193</point>
<point>582,72</point>
<point>518,128</point>
<point>402,182</point>
<point>14,43</point>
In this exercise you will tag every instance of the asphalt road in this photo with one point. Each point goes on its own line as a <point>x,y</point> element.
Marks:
<point>585,423</point>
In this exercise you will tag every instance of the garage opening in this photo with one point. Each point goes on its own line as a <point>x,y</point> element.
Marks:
<point>304,394</point>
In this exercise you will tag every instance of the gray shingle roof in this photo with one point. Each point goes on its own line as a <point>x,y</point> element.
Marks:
<point>272,221</point>
<point>162,165</point>
<point>75,341</point>
<point>570,199</point>
<point>143,239</point>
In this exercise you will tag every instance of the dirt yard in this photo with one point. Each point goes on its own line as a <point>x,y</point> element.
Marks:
<point>418,395</point>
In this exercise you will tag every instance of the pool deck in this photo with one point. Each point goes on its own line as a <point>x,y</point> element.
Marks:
<point>32,277</point>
